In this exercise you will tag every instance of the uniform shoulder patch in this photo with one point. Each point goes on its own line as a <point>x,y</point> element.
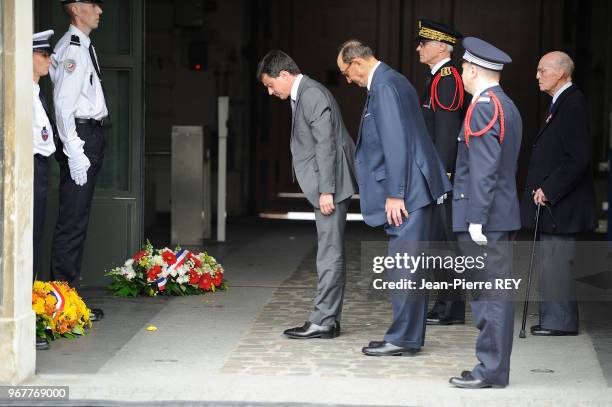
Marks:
<point>484,99</point>
<point>446,71</point>
<point>70,65</point>
<point>75,40</point>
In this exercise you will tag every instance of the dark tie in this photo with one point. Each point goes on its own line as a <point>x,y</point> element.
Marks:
<point>428,81</point>
<point>44,102</point>
<point>94,59</point>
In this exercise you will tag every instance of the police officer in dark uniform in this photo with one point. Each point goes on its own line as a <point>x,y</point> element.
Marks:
<point>43,132</point>
<point>486,207</point>
<point>80,108</point>
<point>442,106</point>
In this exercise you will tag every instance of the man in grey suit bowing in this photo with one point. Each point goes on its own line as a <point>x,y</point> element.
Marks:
<point>322,152</point>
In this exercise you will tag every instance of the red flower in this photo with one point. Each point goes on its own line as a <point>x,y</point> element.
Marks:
<point>169,257</point>
<point>205,282</point>
<point>153,273</point>
<point>218,278</point>
<point>139,255</point>
<point>194,277</point>
<point>197,262</point>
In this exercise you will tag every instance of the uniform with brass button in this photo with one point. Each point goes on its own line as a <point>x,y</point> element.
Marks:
<point>486,208</point>
<point>443,110</point>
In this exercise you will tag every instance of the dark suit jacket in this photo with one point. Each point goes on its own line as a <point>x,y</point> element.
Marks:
<point>395,156</point>
<point>560,164</point>
<point>443,125</point>
<point>321,147</point>
<point>484,190</point>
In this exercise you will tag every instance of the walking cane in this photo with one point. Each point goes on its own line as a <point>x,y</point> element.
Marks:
<point>526,305</point>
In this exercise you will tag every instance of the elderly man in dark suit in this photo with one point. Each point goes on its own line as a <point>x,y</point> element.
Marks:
<point>400,177</point>
<point>322,152</point>
<point>486,206</point>
<point>560,180</point>
<point>442,106</point>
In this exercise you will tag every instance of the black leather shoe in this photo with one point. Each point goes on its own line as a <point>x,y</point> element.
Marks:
<point>445,321</point>
<point>537,330</point>
<point>388,349</point>
<point>469,382</point>
<point>310,330</point>
<point>42,343</point>
<point>95,314</point>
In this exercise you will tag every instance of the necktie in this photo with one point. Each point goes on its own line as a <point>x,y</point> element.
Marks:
<point>44,102</point>
<point>94,60</point>
<point>428,81</point>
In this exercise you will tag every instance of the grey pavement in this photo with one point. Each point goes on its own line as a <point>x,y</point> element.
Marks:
<point>227,349</point>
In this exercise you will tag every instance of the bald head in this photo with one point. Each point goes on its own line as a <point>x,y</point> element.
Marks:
<point>554,70</point>
<point>561,61</point>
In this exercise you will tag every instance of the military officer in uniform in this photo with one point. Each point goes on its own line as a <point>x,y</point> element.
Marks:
<point>486,207</point>
<point>442,106</point>
<point>43,133</point>
<point>80,109</point>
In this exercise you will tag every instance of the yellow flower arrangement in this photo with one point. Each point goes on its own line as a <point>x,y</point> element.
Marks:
<point>59,309</point>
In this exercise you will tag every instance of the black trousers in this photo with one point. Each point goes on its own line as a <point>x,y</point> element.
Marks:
<point>74,208</point>
<point>41,184</point>
<point>558,303</point>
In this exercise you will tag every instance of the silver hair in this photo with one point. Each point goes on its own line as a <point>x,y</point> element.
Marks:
<point>449,48</point>
<point>352,49</point>
<point>564,62</point>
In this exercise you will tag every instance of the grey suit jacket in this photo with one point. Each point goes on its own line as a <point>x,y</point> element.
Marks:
<point>322,149</point>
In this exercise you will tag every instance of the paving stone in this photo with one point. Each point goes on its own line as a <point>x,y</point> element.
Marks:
<point>366,315</point>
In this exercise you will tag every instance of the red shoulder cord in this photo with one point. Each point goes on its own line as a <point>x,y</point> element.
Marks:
<point>499,112</point>
<point>457,102</point>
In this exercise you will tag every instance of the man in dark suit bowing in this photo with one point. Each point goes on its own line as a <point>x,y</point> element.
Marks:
<point>442,106</point>
<point>560,180</point>
<point>400,177</point>
<point>323,160</point>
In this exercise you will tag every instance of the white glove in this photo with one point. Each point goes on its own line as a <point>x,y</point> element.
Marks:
<point>78,169</point>
<point>476,234</point>
<point>441,199</point>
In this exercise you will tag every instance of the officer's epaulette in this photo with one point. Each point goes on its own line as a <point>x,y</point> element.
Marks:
<point>75,40</point>
<point>446,71</point>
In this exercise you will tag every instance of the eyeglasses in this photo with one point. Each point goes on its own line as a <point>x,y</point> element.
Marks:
<point>345,72</point>
<point>423,43</point>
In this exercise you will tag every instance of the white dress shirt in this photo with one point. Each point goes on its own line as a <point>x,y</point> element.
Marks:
<point>560,91</point>
<point>295,87</point>
<point>77,88</point>
<point>439,65</point>
<point>371,75</point>
<point>42,130</point>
